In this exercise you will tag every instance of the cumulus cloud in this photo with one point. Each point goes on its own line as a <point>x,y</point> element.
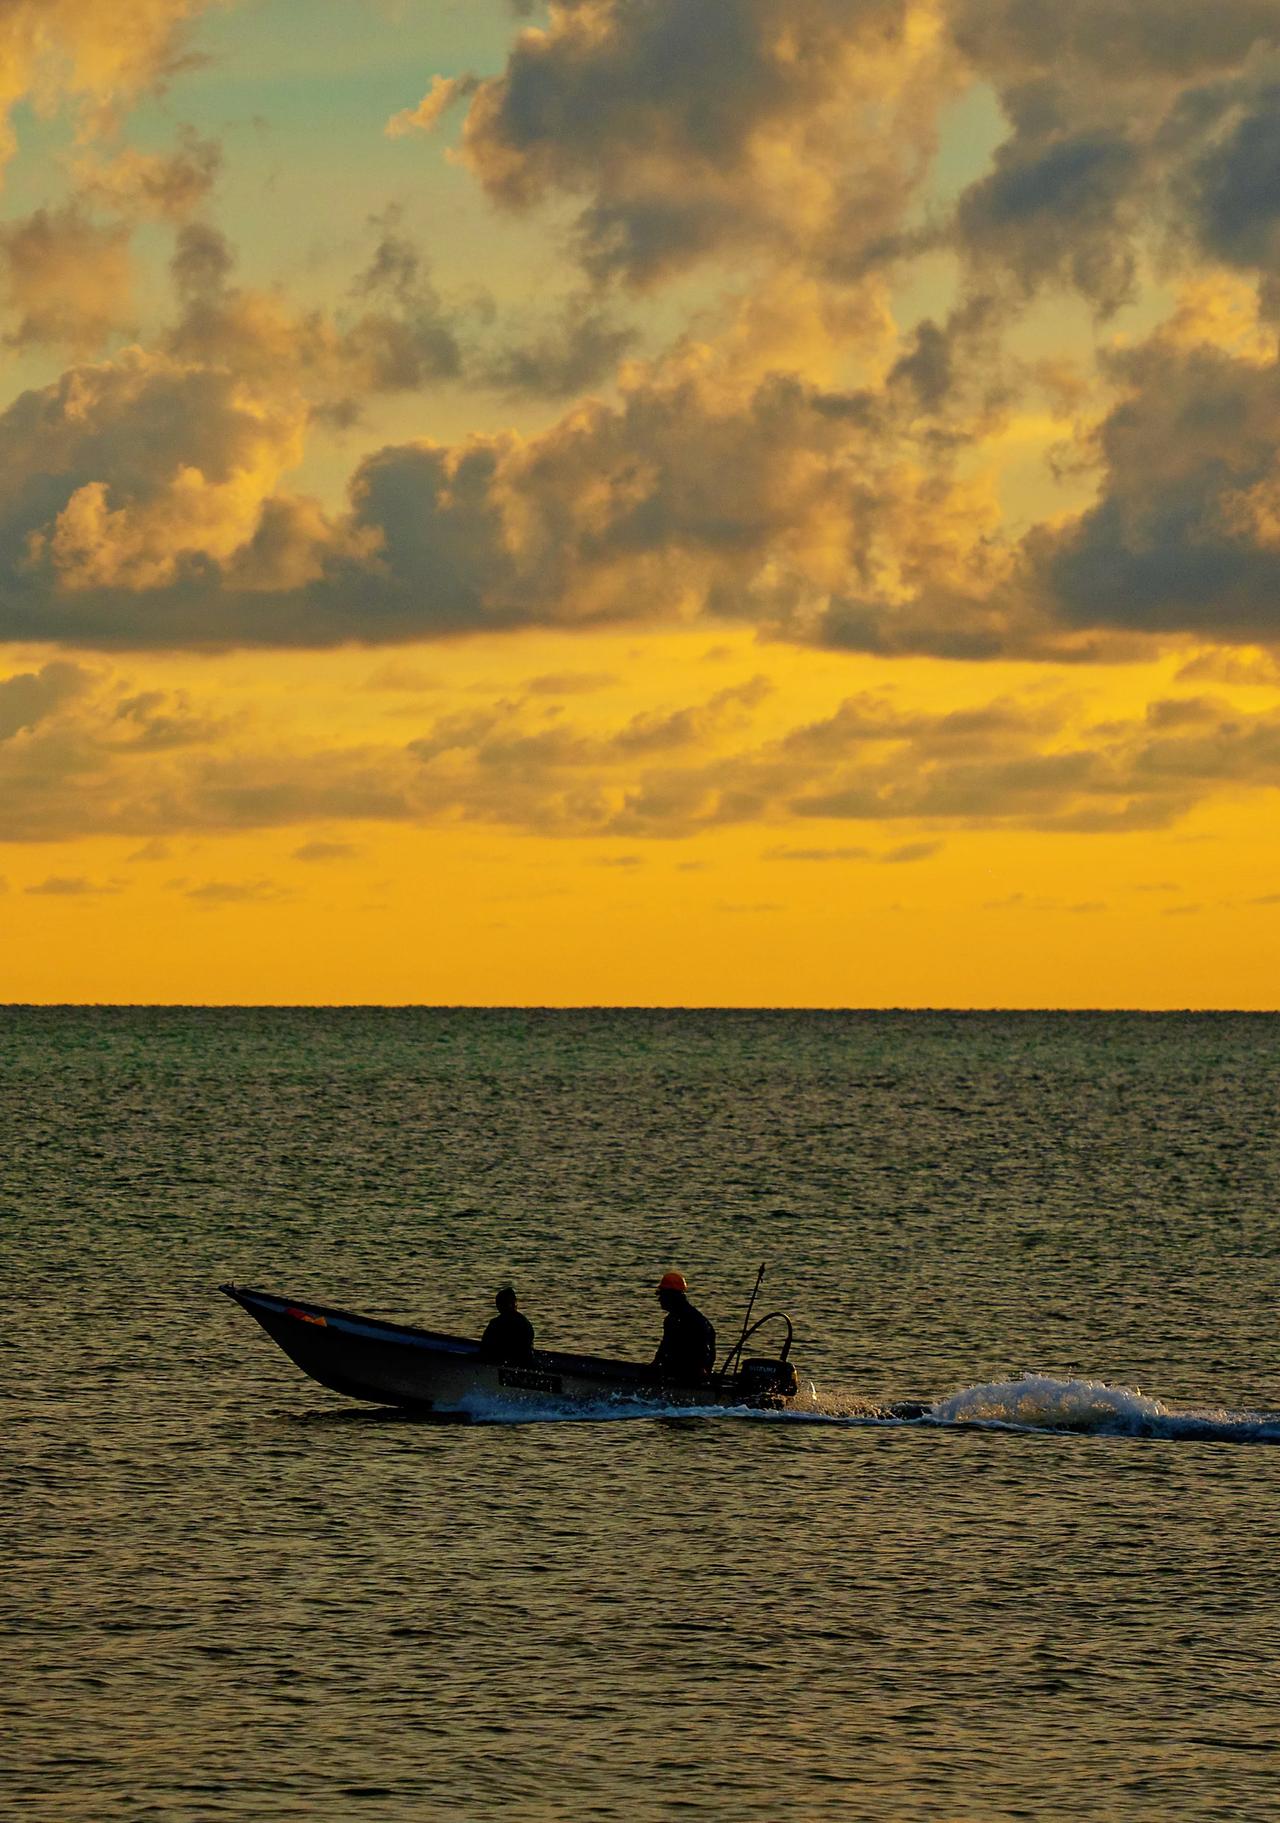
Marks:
<point>139,505</point>
<point>810,472</point>
<point>1185,534</point>
<point>124,477</point>
<point>690,127</point>
<point>1130,128</point>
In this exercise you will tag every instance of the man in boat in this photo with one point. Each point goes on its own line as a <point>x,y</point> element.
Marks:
<point>687,1351</point>
<point>509,1336</point>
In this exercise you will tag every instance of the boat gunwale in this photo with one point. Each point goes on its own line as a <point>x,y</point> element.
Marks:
<point>437,1341</point>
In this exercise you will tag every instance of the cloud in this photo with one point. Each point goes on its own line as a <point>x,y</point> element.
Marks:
<point>1254,669</point>
<point>127,485</point>
<point>580,349</point>
<point>663,775</point>
<point>71,886</point>
<point>1130,128</point>
<point>96,58</point>
<point>697,127</point>
<point>237,892</point>
<point>889,857</point>
<point>141,504</point>
<point>407,339</point>
<point>569,683</point>
<point>1065,209</point>
<point>404,679</point>
<point>29,697</point>
<point>445,92</point>
<point>326,851</point>
<point>818,854</point>
<point>910,852</point>
<point>165,186</point>
<point>394,333</point>
<point>1184,536</point>
<point>67,281</point>
<point>158,719</point>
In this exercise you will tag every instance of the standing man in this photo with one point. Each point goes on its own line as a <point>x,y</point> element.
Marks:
<point>509,1336</point>
<point>687,1351</point>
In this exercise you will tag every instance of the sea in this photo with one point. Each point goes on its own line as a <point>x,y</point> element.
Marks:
<point>229,1594</point>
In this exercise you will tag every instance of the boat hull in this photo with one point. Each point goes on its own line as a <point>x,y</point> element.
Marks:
<point>445,1376</point>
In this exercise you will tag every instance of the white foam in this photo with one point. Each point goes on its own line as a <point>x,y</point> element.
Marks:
<point>1039,1402</point>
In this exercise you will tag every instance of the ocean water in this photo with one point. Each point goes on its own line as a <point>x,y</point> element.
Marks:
<point>231,1595</point>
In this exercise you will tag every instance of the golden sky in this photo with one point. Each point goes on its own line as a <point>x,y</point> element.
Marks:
<point>705,502</point>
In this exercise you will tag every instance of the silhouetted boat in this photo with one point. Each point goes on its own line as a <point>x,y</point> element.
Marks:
<point>449,1376</point>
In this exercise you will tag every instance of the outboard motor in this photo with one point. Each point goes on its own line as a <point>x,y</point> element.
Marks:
<point>764,1382</point>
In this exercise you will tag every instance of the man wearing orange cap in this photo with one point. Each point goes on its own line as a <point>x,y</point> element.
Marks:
<point>687,1351</point>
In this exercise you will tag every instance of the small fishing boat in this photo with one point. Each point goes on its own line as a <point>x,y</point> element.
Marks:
<point>451,1377</point>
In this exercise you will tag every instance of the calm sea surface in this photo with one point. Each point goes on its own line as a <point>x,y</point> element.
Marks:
<point>227,1594</point>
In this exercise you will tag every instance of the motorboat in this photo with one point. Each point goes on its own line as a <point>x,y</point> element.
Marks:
<point>452,1377</point>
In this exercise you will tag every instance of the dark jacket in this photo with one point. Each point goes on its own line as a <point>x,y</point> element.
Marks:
<point>509,1337</point>
<point>688,1347</point>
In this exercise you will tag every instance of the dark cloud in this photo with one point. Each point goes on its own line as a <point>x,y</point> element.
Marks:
<point>1064,210</point>
<point>690,127</point>
<point>29,697</point>
<point>158,719</point>
<point>1096,41</point>
<point>140,506</point>
<point>1235,190</point>
<point>1182,538</point>
<point>202,261</point>
<point>578,351</point>
<point>1130,127</point>
<point>407,338</point>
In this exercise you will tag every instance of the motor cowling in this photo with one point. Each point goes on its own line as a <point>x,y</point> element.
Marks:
<point>764,1379</point>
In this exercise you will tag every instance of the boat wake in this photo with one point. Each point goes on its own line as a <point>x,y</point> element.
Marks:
<point>1038,1402</point>
<point>1034,1403</point>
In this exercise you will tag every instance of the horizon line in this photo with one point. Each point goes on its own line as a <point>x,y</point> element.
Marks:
<point>585,1006</point>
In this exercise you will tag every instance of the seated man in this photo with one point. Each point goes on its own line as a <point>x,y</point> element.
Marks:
<point>687,1351</point>
<point>509,1336</point>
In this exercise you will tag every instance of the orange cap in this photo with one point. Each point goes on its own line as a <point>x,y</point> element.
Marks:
<point>673,1281</point>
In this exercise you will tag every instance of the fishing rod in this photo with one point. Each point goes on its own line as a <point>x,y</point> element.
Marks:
<point>735,1353</point>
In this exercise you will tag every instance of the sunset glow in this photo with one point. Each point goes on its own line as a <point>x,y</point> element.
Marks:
<point>704,502</point>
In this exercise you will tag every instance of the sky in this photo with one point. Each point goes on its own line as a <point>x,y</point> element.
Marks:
<point>682,502</point>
